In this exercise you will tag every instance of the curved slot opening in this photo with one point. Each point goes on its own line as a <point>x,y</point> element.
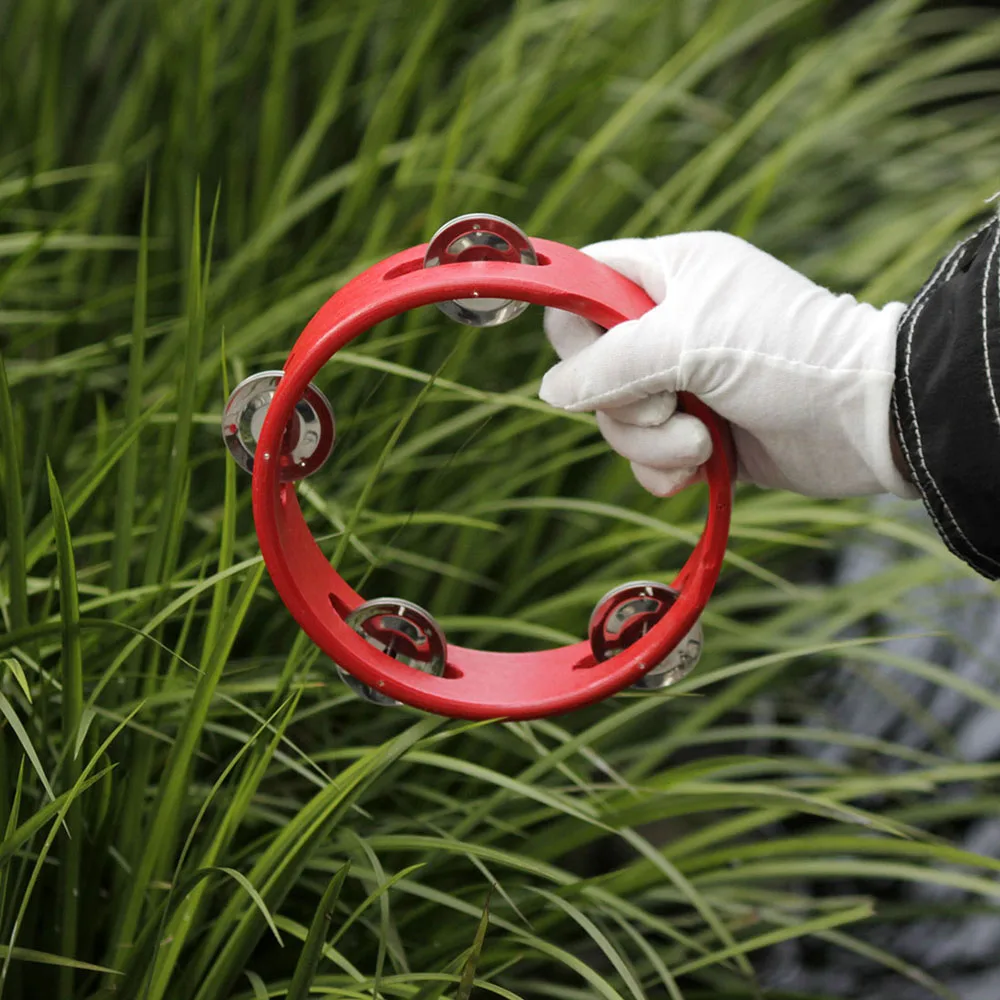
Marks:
<point>408,267</point>
<point>400,269</point>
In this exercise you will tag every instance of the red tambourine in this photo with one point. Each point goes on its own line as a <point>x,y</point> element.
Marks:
<point>479,270</point>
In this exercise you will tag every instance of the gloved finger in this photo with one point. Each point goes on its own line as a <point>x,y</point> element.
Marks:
<point>665,483</point>
<point>568,333</point>
<point>649,412</point>
<point>632,361</point>
<point>683,442</point>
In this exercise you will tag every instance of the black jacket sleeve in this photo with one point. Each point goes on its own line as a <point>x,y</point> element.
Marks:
<point>946,398</point>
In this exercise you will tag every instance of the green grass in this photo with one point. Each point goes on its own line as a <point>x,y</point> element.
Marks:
<point>193,807</point>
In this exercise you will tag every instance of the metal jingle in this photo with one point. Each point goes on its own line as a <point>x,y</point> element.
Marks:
<point>681,660</point>
<point>480,237</point>
<point>626,613</point>
<point>309,437</point>
<point>402,630</point>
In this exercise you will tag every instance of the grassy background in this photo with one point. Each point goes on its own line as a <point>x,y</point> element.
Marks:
<point>191,805</point>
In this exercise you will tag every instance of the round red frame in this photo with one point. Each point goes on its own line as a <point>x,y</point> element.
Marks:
<point>477,684</point>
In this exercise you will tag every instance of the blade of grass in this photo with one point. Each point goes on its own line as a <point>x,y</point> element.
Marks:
<point>72,707</point>
<point>466,983</point>
<point>7,710</point>
<point>191,910</point>
<point>57,823</point>
<point>803,929</point>
<point>312,950</point>
<point>128,470</point>
<point>16,837</point>
<point>284,859</point>
<point>42,958</point>
<point>17,563</point>
<point>83,488</point>
<point>173,785</point>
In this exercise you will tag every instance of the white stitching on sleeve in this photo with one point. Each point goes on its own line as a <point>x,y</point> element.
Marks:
<point>946,538</point>
<point>986,325</point>
<point>943,272</point>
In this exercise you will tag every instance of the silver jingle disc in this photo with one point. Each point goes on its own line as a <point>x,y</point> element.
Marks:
<point>628,612</point>
<point>310,436</point>
<point>402,630</point>
<point>683,658</point>
<point>480,237</point>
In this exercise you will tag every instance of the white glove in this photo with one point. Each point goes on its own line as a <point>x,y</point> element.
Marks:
<point>802,375</point>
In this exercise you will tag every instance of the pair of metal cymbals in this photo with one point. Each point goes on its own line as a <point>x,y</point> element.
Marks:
<point>311,436</point>
<point>410,635</point>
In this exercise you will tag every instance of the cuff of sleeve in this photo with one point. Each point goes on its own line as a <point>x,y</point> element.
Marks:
<point>945,398</point>
<point>880,446</point>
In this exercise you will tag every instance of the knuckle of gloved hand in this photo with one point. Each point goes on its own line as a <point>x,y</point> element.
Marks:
<point>718,241</point>
<point>697,256</point>
<point>689,443</point>
<point>652,411</point>
<point>603,249</point>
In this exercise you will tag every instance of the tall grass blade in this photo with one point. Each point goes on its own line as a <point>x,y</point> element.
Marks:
<point>319,930</point>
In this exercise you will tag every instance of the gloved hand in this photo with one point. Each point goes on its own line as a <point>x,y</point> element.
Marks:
<point>802,375</point>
